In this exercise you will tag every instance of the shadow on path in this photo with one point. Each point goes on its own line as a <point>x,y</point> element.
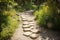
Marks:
<point>47,34</point>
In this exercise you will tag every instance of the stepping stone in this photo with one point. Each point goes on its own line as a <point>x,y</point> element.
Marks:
<point>26,26</point>
<point>32,27</point>
<point>35,30</point>
<point>22,15</point>
<point>34,36</point>
<point>27,13</point>
<point>24,19</point>
<point>26,29</point>
<point>31,22</point>
<point>25,23</point>
<point>30,19</point>
<point>27,33</point>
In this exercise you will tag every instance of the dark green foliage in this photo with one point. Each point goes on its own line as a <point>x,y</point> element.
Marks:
<point>48,14</point>
<point>3,21</point>
<point>8,20</point>
<point>24,5</point>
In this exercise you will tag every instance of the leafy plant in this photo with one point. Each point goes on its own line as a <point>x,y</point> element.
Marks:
<point>8,20</point>
<point>46,14</point>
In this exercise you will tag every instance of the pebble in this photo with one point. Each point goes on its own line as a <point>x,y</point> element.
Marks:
<point>34,36</point>
<point>26,26</point>
<point>35,30</point>
<point>24,19</point>
<point>29,19</point>
<point>25,23</point>
<point>23,16</point>
<point>31,22</point>
<point>32,27</point>
<point>27,29</point>
<point>27,33</point>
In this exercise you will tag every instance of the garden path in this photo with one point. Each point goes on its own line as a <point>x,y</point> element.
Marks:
<point>29,30</point>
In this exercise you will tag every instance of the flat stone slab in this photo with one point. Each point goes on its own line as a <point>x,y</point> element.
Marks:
<point>26,26</point>
<point>35,30</point>
<point>25,23</point>
<point>23,16</point>
<point>24,19</point>
<point>27,33</point>
<point>31,22</point>
<point>30,19</point>
<point>34,36</point>
<point>32,27</point>
<point>27,29</point>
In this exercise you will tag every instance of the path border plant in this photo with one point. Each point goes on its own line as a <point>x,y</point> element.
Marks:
<point>48,14</point>
<point>8,20</point>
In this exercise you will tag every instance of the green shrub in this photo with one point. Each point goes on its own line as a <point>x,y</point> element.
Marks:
<point>8,19</point>
<point>42,14</point>
<point>47,14</point>
<point>8,25</point>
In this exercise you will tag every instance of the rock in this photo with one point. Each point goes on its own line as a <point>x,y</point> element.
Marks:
<point>35,30</point>
<point>37,27</point>
<point>30,19</point>
<point>27,13</point>
<point>32,27</point>
<point>27,33</point>
<point>26,29</point>
<point>24,19</point>
<point>31,22</point>
<point>25,23</point>
<point>49,24</point>
<point>26,26</point>
<point>22,15</point>
<point>30,11</point>
<point>34,36</point>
